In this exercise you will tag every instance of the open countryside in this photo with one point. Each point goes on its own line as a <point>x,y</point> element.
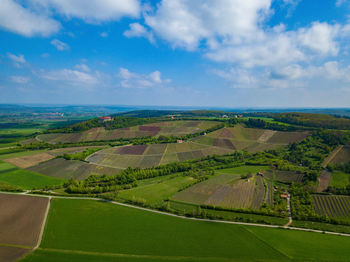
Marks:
<point>174,130</point>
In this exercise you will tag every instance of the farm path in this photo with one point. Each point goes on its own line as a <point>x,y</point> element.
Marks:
<point>43,224</point>
<point>290,219</point>
<point>189,218</point>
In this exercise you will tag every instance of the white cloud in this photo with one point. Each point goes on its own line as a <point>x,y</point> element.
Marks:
<point>17,59</point>
<point>234,31</point>
<point>339,3</point>
<point>20,79</point>
<point>60,46</point>
<point>272,49</point>
<point>138,30</point>
<point>104,34</point>
<point>36,17</point>
<point>187,23</point>
<point>69,76</point>
<point>17,19</point>
<point>82,67</point>
<point>320,37</point>
<point>93,11</point>
<point>134,80</point>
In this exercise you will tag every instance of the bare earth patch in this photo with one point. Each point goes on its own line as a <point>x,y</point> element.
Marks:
<point>11,254</point>
<point>323,181</point>
<point>28,161</point>
<point>266,135</point>
<point>21,218</point>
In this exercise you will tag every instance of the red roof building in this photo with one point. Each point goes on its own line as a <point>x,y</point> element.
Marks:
<point>105,118</point>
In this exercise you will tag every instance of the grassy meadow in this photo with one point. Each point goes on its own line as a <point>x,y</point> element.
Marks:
<point>25,179</point>
<point>85,230</point>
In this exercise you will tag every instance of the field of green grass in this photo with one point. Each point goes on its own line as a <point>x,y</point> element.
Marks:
<point>25,179</point>
<point>155,190</point>
<point>12,136</point>
<point>339,179</point>
<point>86,230</point>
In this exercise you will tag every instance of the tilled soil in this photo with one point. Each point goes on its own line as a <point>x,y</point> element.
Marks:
<point>21,218</point>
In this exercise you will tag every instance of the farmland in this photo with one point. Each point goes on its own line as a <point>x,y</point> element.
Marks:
<point>227,189</point>
<point>25,179</point>
<point>284,176</point>
<point>155,190</point>
<point>342,156</point>
<point>220,142</point>
<point>166,128</point>
<point>20,225</point>
<point>340,179</point>
<point>40,168</point>
<point>332,206</point>
<point>66,169</point>
<point>250,139</point>
<point>152,155</point>
<point>73,227</point>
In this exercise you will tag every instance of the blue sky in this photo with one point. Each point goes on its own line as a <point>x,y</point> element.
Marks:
<point>225,53</point>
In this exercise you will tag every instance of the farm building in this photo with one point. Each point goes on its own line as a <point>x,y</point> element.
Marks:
<point>284,196</point>
<point>260,174</point>
<point>105,118</point>
<point>180,141</point>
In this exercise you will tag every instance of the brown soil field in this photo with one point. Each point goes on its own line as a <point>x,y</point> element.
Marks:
<point>35,159</point>
<point>342,155</point>
<point>331,156</point>
<point>21,219</point>
<point>31,160</point>
<point>259,194</point>
<point>323,181</point>
<point>250,139</point>
<point>12,254</point>
<point>266,135</point>
<point>284,176</point>
<point>67,169</point>
<point>225,190</point>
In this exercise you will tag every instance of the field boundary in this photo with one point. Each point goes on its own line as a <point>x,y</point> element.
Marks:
<point>106,254</point>
<point>43,223</point>
<point>188,218</point>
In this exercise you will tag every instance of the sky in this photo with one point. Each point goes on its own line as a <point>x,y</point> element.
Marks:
<point>210,53</point>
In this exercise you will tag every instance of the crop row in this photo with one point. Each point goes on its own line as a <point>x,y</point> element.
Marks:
<point>332,206</point>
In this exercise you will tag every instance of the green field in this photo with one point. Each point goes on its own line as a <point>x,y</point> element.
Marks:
<point>24,179</point>
<point>339,179</point>
<point>11,136</point>
<point>155,190</point>
<point>85,230</point>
